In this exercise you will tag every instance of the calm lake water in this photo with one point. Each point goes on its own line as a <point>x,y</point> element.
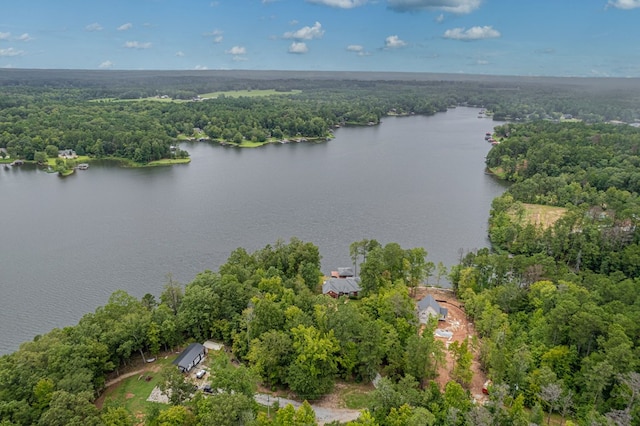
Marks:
<point>68,243</point>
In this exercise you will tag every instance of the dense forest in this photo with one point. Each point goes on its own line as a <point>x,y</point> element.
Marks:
<point>118,114</point>
<point>555,302</point>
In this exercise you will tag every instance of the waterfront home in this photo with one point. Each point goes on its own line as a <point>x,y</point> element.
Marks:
<point>429,307</point>
<point>336,287</point>
<point>190,357</point>
<point>67,154</point>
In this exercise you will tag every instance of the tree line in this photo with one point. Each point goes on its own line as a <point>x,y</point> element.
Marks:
<point>557,303</point>
<point>45,109</point>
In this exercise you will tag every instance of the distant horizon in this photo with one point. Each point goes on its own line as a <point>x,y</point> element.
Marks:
<point>547,38</point>
<point>247,73</point>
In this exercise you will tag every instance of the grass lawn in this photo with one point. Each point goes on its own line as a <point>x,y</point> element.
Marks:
<point>132,392</point>
<point>249,144</point>
<point>169,162</point>
<point>81,159</point>
<point>354,396</point>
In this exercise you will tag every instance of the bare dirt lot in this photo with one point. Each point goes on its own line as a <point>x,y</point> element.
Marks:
<point>458,324</point>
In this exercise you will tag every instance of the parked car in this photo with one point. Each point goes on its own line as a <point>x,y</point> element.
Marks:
<point>200,374</point>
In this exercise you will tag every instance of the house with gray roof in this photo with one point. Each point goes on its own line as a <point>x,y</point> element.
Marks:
<point>190,357</point>
<point>429,307</point>
<point>336,287</point>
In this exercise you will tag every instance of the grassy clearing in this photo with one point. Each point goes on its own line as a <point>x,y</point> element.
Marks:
<point>81,159</point>
<point>212,95</point>
<point>354,396</point>
<point>150,99</point>
<point>247,93</point>
<point>132,392</point>
<point>249,144</point>
<point>169,162</point>
<point>498,172</point>
<point>545,216</point>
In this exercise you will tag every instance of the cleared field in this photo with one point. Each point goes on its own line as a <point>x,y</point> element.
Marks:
<point>543,215</point>
<point>247,93</point>
<point>212,95</point>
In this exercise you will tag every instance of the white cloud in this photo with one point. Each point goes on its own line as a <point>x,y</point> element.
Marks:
<point>5,36</point>
<point>306,33</point>
<point>137,45</point>
<point>298,47</point>
<point>342,4</point>
<point>482,62</point>
<point>125,27</point>
<point>356,48</point>
<point>624,4</point>
<point>216,34</point>
<point>473,33</point>
<point>24,37</point>
<point>11,52</point>
<point>239,58</point>
<point>106,64</point>
<point>93,27</point>
<point>451,6</point>
<point>180,53</point>
<point>393,42</point>
<point>440,18</point>
<point>201,67</point>
<point>237,50</point>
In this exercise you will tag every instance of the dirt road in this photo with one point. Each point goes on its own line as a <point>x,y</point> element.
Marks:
<point>323,414</point>
<point>458,324</point>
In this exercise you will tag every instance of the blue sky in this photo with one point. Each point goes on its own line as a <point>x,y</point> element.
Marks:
<point>598,38</point>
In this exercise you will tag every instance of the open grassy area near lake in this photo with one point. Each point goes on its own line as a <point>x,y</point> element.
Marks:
<point>545,216</point>
<point>169,162</point>
<point>132,392</point>
<point>80,159</point>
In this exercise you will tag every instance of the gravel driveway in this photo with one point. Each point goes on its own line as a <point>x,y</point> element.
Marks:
<point>323,414</point>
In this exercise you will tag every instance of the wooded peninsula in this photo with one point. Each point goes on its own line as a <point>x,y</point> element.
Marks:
<point>555,303</point>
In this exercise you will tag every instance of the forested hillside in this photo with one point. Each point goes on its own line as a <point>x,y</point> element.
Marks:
<point>558,305</point>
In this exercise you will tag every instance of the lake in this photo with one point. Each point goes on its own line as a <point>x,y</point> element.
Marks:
<point>68,243</point>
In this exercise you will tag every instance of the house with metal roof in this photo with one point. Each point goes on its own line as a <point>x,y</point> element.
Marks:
<point>190,357</point>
